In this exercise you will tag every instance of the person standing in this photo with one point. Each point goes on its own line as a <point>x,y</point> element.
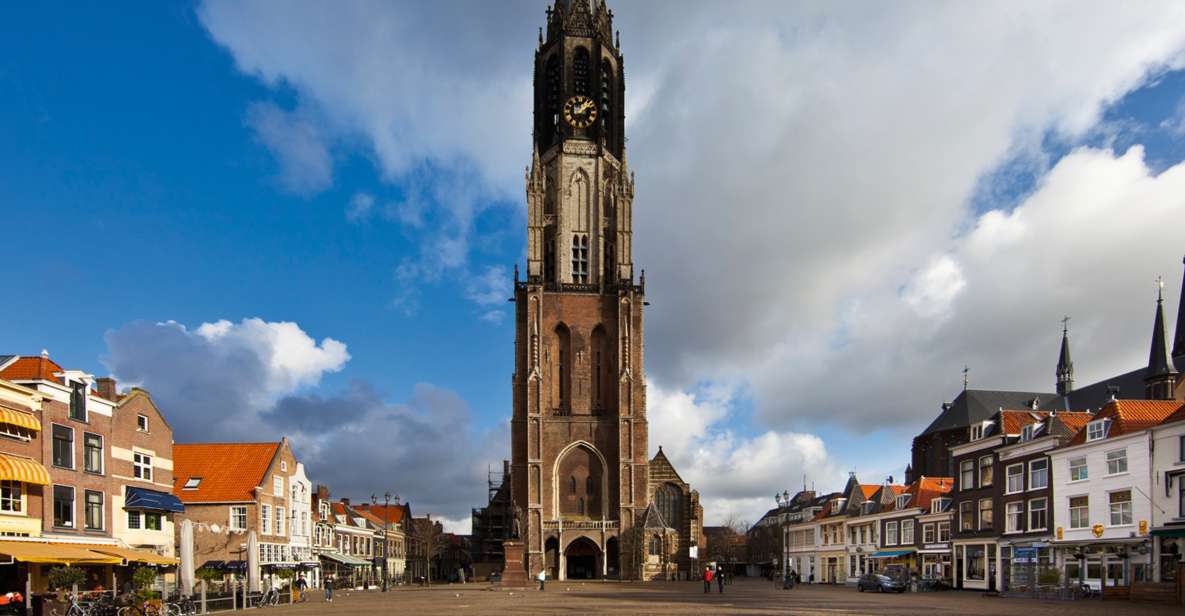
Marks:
<point>329,589</point>
<point>707,580</point>
<point>542,577</point>
<point>720,579</point>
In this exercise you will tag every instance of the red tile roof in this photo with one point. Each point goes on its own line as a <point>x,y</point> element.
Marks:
<point>1129,416</point>
<point>922,491</point>
<point>34,368</point>
<point>230,472</point>
<point>1015,421</point>
<point>392,514</point>
<point>869,489</point>
<point>1178,415</point>
<point>1073,421</point>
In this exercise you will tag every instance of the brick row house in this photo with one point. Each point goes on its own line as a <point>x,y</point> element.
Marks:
<point>235,491</point>
<point>78,474</point>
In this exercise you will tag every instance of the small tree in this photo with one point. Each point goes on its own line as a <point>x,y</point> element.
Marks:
<point>143,578</point>
<point>208,574</point>
<point>65,578</point>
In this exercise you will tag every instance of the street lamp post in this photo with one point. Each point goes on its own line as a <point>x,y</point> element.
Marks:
<point>387,497</point>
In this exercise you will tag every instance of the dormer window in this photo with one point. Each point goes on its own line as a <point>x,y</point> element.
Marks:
<point>979,430</point>
<point>939,505</point>
<point>1096,430</point>
<point>1028,432</point>
<point>837,505</point>
<point>192,483</point>
<point>866,507</point>
<point>902,500</point>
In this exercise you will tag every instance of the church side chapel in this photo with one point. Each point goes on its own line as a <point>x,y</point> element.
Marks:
<point>592,505</point>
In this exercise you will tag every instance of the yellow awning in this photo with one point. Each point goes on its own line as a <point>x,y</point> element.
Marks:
<point>28,470</point>
<point>53,553</point>
<point>20,419</point>
<point>132,555</point>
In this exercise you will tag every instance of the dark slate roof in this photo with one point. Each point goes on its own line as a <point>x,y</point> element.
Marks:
<point>975,405</point>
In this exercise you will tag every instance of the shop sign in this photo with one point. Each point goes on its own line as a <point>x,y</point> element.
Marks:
<point>1143,527</point>
<point>1024,555</point>
<point>1097,530</point>
<point>1059,533</point>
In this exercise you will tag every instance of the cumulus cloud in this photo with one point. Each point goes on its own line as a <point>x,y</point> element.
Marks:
<point>254,380</point>
<point>734,473</point>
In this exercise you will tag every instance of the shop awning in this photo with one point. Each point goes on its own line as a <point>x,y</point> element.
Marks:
<point>28,470</point>
<point>893,553</point>
<point>1168,532</point>
<point>20,419</point>
<point>345,559</point>
<point>225,565</point>
<point>55,553</point>
<point>136,556</point>
<point>141,499</point>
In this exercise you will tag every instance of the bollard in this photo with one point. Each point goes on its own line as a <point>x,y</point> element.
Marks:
<point>234,595</point>
<point>203,596</point>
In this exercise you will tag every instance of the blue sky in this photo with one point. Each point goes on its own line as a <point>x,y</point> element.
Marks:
<point>819,252</point>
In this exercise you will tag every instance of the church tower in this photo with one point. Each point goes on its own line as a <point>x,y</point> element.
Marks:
<point>578,431</point>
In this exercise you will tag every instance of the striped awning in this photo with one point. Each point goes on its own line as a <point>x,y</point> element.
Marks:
<point>28,470</point>
<point>49,552</point>
<point>20,419</point>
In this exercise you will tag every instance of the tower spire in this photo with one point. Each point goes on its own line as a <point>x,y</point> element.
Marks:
<point>1179,340</point>
<point>1065,367</point>
<point>1160,378</point>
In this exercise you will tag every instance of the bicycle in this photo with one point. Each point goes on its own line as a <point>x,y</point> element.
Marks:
<point>180,606</point>
<point>103,606</point>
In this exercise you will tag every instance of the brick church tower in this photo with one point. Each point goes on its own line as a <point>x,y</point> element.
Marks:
<point>579,431</point>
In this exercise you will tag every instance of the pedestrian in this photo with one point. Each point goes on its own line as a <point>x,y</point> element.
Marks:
<point>707,580</point>
<point>720,579</point>
<point>811,579</point>
<point>542,577</point>
<point>329,589</point>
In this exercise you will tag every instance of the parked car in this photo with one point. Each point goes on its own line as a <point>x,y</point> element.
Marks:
<point>879,583</point>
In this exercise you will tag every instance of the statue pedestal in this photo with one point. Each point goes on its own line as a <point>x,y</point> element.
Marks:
<point>514,575</point>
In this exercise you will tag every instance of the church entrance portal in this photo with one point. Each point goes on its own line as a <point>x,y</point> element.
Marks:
<point>582,558</point>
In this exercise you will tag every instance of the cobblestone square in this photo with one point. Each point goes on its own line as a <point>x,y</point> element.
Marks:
<point>741,597</point>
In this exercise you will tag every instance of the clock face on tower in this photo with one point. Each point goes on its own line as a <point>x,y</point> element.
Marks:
<point>580,111</point>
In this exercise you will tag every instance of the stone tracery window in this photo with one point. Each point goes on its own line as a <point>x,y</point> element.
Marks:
<point>669,499</point>
<point>580,71</point>
<point>655,545</point>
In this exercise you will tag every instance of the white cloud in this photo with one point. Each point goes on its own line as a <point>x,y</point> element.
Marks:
<point>734,473</point>
<point>359,208</point>
<point>298,143</point>
<point>251,380</point>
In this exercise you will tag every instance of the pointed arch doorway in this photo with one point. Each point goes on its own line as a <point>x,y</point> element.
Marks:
<point>582,559</point>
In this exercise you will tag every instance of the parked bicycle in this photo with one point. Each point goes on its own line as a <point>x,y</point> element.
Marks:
<point>104,605</point>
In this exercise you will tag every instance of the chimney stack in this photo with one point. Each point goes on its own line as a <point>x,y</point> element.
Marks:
<point>106,387</point>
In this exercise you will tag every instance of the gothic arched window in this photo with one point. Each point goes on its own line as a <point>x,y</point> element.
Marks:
<point>588,485</point>
<point>572,484</point>
<point>669,500</point>
<point>580,506</point>
<point>580,71</point>
<point>655,545</point>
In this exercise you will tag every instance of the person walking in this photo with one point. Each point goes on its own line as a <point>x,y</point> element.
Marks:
<point>720,579</point>
<point>707,580</point>
<point>541,577</point>
<point>329,589</point>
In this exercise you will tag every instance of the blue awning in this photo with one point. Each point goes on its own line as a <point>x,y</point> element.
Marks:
<point>140,499</point>
<point>892,553</point>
